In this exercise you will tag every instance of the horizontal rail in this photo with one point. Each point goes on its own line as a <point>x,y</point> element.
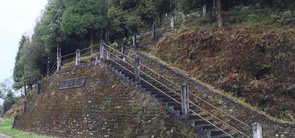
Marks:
<point>172,97</point>
<point>177,86</point>
<point>211,105</point>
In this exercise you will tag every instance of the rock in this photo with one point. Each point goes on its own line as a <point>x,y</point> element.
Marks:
<point>106,136</point>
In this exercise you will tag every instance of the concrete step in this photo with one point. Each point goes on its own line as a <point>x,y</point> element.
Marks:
<point>217,132</point>
<point>161,96</point>
<point>167,100</point>
<point>205,127</point>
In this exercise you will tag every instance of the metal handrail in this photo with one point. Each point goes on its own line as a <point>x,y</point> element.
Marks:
<point>174,98</point>
<point>177,86</point>
<point>200,98</point>
<point>190,94</point>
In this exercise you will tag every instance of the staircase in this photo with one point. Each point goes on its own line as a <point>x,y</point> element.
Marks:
<point>204,123</point>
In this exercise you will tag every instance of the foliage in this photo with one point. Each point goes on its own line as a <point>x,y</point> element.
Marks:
<point>9,100</point>
<point>123,15</point>
<point>82,17</point>
<point>18,71</point>
<point>75,24</point>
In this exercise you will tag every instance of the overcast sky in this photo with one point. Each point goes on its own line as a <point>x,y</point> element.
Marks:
<point>16,18</point>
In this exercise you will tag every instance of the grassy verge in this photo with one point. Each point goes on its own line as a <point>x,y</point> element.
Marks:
<point>5,128</point>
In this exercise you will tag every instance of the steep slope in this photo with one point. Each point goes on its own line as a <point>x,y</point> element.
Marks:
<point>104,107</point>
<point>256,67</point>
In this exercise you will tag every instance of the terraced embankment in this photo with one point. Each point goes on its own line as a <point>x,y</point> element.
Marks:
<point>104,107</point>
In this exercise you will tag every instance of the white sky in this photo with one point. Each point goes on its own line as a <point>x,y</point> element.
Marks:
<point>16,18</point>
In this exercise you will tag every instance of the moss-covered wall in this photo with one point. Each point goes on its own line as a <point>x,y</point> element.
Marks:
<point>105,107</point>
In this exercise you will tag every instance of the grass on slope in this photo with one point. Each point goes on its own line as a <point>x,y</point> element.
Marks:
<point>221,92</point>
<point>5,128</point>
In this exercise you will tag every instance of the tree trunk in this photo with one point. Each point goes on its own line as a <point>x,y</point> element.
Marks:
<point>134,39</point>
<point>204,10</point>
<point>172,22</point>
<point>91,41</point>
<point>48,63</point>
<point>153,31</point>
<point>218,12</point>
<point>58,53</point>
<point>25,89</point>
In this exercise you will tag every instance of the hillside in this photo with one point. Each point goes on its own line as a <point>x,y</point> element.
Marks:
<point>239,62</point>
<point>104,107</point>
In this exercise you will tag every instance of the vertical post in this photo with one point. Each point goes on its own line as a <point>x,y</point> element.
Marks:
<point>134,39</point>
<point>204,10</point>
<point>108,54</point>
<point>172,22</point>
<point>122,51</point>
<point>77,57</point>
<point>97,61</point>
<point>25,107</point>
<point>257,130</point>
<point>184,100</point>
<point>137,70</point>
<point>14,121</point>
<point>101,51</point>
<point>39,87</point>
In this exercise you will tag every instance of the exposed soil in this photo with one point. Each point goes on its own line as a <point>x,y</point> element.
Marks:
<point>259,68</point>
<point>105,107</point>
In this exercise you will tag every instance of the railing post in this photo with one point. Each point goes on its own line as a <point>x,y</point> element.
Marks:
<point>108,54</point>
<point>101,51</point>
<point>77,57</point>
<point>137,70</point>
<point>257,130</point>
<point>184,100</point>
<point>38,87</point>
<point>14,121</point>
<point>25,107</point>
<point>122,51</point>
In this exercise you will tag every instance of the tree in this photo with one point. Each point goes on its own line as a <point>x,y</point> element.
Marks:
<point>84,18</point>
<point>218,13</point>
<point>9,100</point>
<point>124,15</point>
<point>149,14</point>
<point>6,93</point>
<point>47,31</point>
<point>18,70</point>
<point>34,58</point>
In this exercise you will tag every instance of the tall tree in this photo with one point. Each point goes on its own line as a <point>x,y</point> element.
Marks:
<point>124,14</point>
<point>18,71</point>
<point>84,18</point>
<point>218,13</point>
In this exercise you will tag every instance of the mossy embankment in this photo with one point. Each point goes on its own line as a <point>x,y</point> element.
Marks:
<point>257,68</point>
<point>104,107</point>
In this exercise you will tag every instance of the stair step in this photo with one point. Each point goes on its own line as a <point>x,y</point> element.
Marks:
<point>208,126</point>
<point>161,92</point>
<point>179,108</point>
<point>172,104</point>
<point>224,136</point>
<point>161,95</point>
<point>165,100</point>
<point>216,131</point>
<point>201,121</point>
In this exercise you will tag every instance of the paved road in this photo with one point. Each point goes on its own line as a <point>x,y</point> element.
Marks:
<point>3,136</point>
